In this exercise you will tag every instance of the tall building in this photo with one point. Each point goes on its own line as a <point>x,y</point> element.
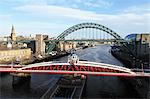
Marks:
<point>13,34</point>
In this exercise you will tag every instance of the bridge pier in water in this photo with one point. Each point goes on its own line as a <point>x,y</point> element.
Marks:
<point>20,79</point>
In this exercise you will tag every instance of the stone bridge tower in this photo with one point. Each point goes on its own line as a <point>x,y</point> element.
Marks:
<point>40,45</point>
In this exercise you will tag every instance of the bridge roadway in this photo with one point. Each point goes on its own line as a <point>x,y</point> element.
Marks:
<point>82,67</point>
<point>85,40</point>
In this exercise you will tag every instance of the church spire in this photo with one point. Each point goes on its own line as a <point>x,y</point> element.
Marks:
<point>13,34</point>
<point>12,29</point>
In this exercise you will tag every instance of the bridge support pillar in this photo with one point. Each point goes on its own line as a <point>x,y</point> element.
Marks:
<point>40,45</point>
<point>21,82</point>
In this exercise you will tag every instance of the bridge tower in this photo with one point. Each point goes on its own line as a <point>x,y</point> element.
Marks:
<point>40,45</point>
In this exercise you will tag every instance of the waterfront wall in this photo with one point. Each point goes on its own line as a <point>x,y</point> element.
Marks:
<point>8,56</point>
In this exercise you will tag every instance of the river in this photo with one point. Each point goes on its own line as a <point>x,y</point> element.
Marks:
<point>96,87</point>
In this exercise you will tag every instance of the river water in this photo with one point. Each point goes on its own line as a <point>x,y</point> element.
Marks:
<point>96,87</point>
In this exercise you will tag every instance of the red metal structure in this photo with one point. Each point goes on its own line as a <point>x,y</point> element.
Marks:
<point>81,68</point>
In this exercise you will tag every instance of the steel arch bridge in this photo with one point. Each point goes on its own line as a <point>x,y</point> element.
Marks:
<point>93,35</point>
<point>88,25</point>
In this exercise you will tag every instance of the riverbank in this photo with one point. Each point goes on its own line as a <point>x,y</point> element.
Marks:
<point>47,58</point>
<point>137,82</point>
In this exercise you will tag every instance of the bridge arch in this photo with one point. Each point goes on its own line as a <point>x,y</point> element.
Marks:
<point>88,25</point>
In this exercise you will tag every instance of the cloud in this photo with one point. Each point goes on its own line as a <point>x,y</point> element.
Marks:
<point>98,3</point>
<point>23,2</point>
<point>82,3</point>
<point>49,10</point>
<point>145,8</point>
<point>4,17</point>
<point>132,19</point>
<point>56,11</point>
<point>122,22</point>
<point>87,4</point>
<point>51,29</point>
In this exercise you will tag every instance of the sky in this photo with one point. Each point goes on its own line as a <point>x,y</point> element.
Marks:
<point>52,17</point>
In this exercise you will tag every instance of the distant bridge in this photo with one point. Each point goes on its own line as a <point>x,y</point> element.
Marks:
<point>91,32</point>
<point>80,68</point>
